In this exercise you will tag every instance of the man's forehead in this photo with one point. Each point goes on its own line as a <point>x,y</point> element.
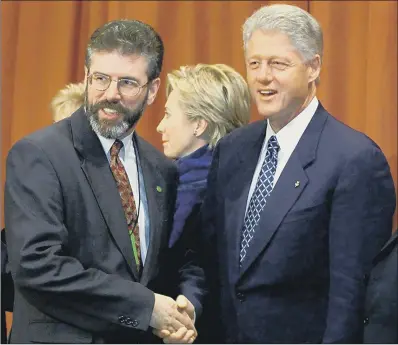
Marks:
<point>269,42</point>
<point>114,62</point>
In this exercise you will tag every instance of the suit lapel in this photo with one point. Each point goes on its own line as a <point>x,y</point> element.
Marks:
<point>288,188</point>
<point>279,202</point>
<point>238,190</point>
<point>155,201</point>
<point>96,168</point>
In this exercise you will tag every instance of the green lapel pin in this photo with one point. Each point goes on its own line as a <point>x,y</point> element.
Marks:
<point>159,189</point>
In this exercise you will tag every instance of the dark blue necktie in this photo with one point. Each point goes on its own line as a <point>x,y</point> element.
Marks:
<point>261,192</point>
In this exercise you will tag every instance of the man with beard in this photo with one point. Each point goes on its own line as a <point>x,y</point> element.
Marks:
<point>88,209</point>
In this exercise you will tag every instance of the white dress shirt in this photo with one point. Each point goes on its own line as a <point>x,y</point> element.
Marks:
<point>288,138</point>
<point>128,157</point>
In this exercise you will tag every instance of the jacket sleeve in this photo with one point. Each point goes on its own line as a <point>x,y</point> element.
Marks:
<point>48,278</point>
<point>211,325</point>
<point>190,266</point>
<point>361,221</point>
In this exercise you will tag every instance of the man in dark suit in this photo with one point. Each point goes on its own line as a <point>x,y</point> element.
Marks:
<point>297,205</point>
<point>88,209</point>
<point>381,303</point>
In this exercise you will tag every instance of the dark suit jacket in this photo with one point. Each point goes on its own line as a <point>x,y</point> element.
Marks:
<point>70,253</point>
<point>188,250</point>
<point>328,215</point>
<point>7,288</point>
<point>381,307</point>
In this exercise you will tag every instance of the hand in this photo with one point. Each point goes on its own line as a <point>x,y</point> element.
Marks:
<point>167,317</point>
<point>183,335</point>
<point>184,304</point>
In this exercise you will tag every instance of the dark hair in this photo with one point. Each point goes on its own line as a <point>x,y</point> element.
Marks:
<point>128,37</point>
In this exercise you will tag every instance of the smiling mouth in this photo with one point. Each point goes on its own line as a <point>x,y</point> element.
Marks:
<point>110,113</point>
<point>267,93</point>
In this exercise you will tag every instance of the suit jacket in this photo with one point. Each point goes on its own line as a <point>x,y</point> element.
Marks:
<point>328,215</point>
<point>70,253</point>
<point>381,307</point>
<point>188,250</point>
<point>7,288</point>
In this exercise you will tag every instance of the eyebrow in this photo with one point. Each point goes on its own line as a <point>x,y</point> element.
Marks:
<point>123,77</point>
<point>272,57</point>
<point>131,78</point>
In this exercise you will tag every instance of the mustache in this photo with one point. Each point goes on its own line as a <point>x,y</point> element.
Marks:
<point>106,104</point>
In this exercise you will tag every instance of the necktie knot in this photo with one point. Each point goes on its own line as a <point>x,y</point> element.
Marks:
<point>273,144</point>
<point>116,147</point>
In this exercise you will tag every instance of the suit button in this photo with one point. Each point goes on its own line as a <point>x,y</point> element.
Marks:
<point>365,320</point>
<point>135,323</point>
<point>240,296</point>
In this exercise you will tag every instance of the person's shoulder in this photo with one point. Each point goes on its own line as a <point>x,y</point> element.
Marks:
<point>47,138</point>
<point>242,134</point>
<point>345,140</point>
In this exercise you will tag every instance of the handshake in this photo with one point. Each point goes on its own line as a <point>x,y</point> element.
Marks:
<point>173,321</point>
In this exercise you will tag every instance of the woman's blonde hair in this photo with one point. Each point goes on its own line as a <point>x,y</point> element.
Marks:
<point>215,93</point>
<point>67,101</point>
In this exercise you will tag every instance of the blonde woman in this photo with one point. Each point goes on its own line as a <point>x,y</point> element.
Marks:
<point>204,103</point>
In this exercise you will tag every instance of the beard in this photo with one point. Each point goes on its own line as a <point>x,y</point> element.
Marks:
<point>113,129</point>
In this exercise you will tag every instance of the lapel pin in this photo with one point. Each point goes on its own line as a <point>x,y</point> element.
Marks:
<point>159,189</point>
<point>297,184</point>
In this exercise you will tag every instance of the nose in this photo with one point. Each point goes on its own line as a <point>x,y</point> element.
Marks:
<point>160,127</point>
<point>264,73</point>
<point>112,92</point>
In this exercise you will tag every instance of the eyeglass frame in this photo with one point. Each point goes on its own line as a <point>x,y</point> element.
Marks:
<point>140,87</point>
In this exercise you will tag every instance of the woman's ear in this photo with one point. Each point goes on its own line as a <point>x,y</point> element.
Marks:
<point>200,128</point>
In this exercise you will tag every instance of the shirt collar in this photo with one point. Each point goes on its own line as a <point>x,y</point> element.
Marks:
<point>292,132</point>
<point>107,144</point>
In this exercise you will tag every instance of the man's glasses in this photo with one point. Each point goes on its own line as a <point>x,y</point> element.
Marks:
<point>127,87</point>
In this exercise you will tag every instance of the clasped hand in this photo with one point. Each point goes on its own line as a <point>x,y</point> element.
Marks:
<point>173,321</point>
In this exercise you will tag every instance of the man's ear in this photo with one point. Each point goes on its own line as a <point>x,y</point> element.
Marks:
<point>153,88</point>
<point>314,68</point>
<point>85,75</point>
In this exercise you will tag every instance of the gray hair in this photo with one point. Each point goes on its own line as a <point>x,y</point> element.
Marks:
<point>128,37</point>
<point>302,28</point>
